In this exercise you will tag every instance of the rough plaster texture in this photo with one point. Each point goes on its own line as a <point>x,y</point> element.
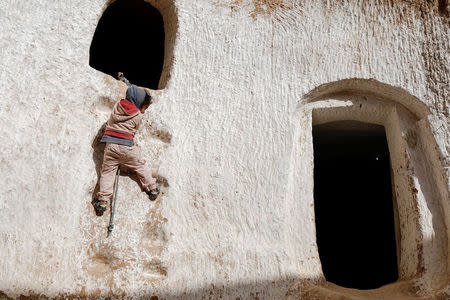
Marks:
<point>230,141</point>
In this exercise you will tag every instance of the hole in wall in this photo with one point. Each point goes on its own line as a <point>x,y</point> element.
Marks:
<point>129,38</point>
<point>354,212</point>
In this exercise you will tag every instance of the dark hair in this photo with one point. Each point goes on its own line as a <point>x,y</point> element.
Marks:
<point>147,100</point>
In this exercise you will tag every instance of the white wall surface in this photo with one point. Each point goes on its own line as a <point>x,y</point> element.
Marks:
<point>221,133</point>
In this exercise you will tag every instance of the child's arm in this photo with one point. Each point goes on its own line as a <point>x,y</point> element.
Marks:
<point>123,79</point>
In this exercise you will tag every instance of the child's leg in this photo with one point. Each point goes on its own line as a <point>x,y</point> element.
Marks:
<point>136,164</point>
<point>108,173</point>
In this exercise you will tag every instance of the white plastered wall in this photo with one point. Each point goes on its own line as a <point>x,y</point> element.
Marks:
<point>221,135</point>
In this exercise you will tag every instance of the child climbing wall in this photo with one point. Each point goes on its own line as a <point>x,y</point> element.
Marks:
<point>120,149</point>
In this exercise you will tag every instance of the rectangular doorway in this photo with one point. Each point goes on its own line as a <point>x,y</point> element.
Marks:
<point>354,211</point>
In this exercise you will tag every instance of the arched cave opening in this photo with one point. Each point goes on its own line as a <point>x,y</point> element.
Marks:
<point>129,38</point>
<point>354,210</point>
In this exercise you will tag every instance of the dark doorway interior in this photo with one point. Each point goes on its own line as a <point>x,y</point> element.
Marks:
<point>353,204</point>
<point>130,38</point>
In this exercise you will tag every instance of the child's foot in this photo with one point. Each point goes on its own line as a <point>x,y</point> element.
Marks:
<point>153,194</point>
<point>99,206</point>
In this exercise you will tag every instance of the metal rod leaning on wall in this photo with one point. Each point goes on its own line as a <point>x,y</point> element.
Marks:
<point>113,205</point>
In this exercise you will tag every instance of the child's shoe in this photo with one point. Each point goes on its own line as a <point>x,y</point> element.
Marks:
<point>99,206</point>
<point>153,194</point>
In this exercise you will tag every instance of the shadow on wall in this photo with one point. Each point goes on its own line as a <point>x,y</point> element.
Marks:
<point>268,289</point>
<point>289,288</point>
<point>97,156</point>
<point>264,289</point>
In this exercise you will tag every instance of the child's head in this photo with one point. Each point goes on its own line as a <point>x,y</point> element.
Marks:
<point>139,97</point>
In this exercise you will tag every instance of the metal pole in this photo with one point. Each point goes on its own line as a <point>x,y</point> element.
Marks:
<point>113,206</point>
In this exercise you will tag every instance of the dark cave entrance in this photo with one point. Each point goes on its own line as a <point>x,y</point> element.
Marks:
<point>354,210</point>
<point>129,38</point>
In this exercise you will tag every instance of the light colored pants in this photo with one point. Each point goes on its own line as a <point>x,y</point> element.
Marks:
<point>129,157</point>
